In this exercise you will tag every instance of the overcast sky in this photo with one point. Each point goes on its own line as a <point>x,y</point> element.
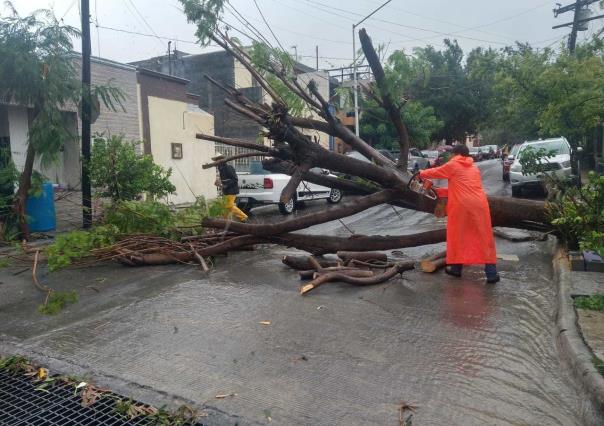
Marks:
<point>402,24</point>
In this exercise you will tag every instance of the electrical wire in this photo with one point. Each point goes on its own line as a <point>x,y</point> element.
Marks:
<point>96,24</point>
<point>137,15</point>
<point>457,33</point>
<point>68,9</point>
<point>121,30</point>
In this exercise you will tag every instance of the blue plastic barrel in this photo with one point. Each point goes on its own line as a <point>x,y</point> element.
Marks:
<point>40,211</point>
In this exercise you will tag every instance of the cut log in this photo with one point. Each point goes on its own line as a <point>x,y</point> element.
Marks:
<point>432,265</point>
<point>315,265</point>
<point>376,279</point>
<point>301,263</point>
<point>302,222</point>
<point>363,256</point>
<point>309,274</point>
<point>323,244</point>
<point>357,273</point>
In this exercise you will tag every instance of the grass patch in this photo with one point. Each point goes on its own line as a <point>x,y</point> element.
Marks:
<point>4,262</point>
<point>593,303</point>
<point>599,364</point>
<point>57,301</point>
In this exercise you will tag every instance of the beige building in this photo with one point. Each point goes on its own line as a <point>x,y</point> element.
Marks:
<point>170,119</point>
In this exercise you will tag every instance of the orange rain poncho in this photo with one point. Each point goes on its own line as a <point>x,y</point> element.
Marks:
<point>469,232</point>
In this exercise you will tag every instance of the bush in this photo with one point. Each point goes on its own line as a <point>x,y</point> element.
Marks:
<point>9,175</point>
<point>593,303</point>
<point>77,245</point>
<point>119,173</point>
<point>579,214</point>
<point>140,217</point>
<point>57,301</point>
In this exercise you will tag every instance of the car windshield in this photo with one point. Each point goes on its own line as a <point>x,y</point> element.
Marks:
<point>430,154</point>
<point>554,147</point>
<point>474,149</point>
<point>515,149</point>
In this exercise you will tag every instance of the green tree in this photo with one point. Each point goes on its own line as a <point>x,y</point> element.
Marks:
<point>444,87</point>
<point>37,69</point>
<point>403,73</point>
<point>204,13</point>
<point>119,173</point>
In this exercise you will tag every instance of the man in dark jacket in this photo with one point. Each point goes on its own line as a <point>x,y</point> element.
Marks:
<point>230,188</point>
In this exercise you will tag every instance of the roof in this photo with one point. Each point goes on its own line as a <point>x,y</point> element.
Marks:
<point>158,74</point>
<point>560,138</point>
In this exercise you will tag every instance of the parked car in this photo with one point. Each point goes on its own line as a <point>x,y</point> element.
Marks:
<point>558,165</point>
<point>413,163</point>
<point>432,157</point>
<point>260,187</point>
<point>507,162</point>
<point>476,153</point>
<point>490,151</point>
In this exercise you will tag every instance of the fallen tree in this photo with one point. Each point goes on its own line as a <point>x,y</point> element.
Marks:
<point>295,153</point>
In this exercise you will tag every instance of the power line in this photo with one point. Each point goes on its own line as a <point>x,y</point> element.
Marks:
<point>319,4</point>
<point>121,30</point>
<point>142,19</point>
<point>68,9</point>
<point>431,18</point>
<point>269,27</point>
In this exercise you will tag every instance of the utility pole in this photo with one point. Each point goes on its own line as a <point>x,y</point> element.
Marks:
<point>86,114</point>
<point>169,58</point>
<point>317,54</point>
<point>581,16</point>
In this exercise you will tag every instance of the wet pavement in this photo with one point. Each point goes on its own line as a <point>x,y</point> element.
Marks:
<point>465,353</point>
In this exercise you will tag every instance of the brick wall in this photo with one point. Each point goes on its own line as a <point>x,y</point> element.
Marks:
<point>123,77</point>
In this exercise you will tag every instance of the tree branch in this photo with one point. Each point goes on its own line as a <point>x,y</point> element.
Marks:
<point>234,142</point>
<point>304,221</point>
<point>292,185</point>
<point>234,157</point>
<point>388,104</point>
<point>276,165</point>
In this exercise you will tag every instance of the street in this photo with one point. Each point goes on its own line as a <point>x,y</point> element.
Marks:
<point>465,353</point>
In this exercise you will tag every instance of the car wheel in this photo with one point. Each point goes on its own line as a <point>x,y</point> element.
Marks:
<point>287,208</point>
<point>335,196</point>
<point>516,191</point>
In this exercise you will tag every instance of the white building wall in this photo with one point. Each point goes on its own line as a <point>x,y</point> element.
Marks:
<point>176,122</point>
<point>18,125</point>
<point>321,79</point>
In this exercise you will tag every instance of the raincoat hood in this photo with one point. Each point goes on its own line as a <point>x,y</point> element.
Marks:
<point>464,161</point>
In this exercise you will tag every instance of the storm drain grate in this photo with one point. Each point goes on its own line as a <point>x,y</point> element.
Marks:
<point>21,404</point>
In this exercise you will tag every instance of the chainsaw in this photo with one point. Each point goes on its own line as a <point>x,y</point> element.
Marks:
<point>422,186</point>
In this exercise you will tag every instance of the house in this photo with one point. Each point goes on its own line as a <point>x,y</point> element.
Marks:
<point>156,110</point>
<point>170,118</point>
<point>222,67</point>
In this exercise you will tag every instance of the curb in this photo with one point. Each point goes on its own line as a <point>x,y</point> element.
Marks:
<point>570,343</point>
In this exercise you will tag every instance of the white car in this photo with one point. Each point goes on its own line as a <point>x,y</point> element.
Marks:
<point>260,187</point>
<point>558,165</point>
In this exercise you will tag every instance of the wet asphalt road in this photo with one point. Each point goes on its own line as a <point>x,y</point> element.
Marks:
<point>465,353</point>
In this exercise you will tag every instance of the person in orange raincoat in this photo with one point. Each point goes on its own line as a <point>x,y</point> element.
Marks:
<point>469,232</point>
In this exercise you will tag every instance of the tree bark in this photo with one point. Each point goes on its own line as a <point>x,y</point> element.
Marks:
<point>305,221</point>
<point>23,191</point>
<point>364,256</point>
<point>376,279</point>
<point>393,111</point>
